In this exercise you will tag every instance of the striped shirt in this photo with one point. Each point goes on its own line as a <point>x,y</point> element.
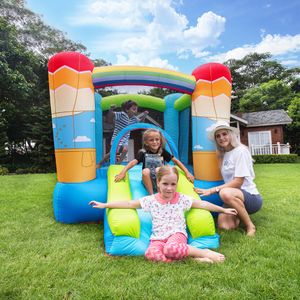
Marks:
<point>121,121</point>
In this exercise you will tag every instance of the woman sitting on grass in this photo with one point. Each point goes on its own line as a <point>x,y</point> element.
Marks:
<point>239,190</point>
<point>168,241</point>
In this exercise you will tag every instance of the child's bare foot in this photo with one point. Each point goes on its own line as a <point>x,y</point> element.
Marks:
<point>251,230</point>
<point>214,256</point>
<point>203,260</point>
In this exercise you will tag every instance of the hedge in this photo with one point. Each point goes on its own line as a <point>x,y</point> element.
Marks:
<point>275,158</point>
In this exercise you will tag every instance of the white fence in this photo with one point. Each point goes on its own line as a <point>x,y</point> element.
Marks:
<point>270,149</point>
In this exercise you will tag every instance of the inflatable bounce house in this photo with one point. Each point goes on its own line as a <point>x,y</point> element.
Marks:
<point>200,99</point>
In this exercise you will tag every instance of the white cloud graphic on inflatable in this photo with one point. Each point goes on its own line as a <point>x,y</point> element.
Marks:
<point>81,139</point>
<point>92,120</point>
<point>198,147</point>
<point>53,125</point>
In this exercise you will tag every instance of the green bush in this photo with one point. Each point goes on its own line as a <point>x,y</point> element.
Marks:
<point>3,171</point>
<point>33,170</point>
<point>22,171</point>
<point>275,158</point>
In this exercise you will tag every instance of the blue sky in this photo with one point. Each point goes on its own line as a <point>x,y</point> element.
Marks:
<point>179,35</point>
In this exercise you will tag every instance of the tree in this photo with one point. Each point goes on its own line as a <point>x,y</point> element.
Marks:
<point>99,62</point>
<point>26,43</point>
<point>274,94</point>
<point>17,86</point>
<point>293,130</point>
<point>253,70</point>
<point>158,92</point>
<point>40,132</point>
<point>3,136</point>
<point>33,33</point>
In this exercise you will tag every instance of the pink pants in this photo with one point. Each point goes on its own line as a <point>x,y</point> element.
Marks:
<point>172,248</point>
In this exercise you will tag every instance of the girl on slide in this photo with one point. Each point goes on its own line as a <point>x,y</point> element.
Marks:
<point>168,241</point>
<point>153,155</point>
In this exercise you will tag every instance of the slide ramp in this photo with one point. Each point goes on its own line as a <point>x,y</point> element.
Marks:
<point>127,231</point>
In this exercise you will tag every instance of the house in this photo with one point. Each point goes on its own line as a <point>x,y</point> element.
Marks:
<point>263,131</point>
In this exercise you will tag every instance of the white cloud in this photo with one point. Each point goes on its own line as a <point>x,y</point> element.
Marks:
<point>139,59</point>
<point>144,32</point>
<point>92,120</point>
<point>275,44</point>
<point>208,29</point>
<point>198,147</point>
<point>120,14</point>
<point>53,125</point>
<point>81,139</point>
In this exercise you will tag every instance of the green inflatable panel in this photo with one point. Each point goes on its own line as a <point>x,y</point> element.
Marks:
<point>144,101</point>
<point>199,221</point>
<point>121,221</point>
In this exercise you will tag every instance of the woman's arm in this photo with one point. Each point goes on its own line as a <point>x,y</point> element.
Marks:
<point>122,174</point>
<point>212,207</point>
<point>234,183</point>
<point>188,175</point>
<point>117,204</point>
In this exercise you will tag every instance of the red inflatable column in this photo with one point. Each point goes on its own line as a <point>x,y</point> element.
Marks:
<point>73,116</point>
<point>210,102</point>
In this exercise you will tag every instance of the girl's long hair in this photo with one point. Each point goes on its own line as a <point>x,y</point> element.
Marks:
<point>146,136</point>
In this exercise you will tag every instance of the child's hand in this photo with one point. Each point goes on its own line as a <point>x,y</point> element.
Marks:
<point>190,177</point>
<point>230,211</point>
<point>96,204</point>
<point>119,177</point>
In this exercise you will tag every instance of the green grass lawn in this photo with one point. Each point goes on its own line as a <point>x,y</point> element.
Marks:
<point>42,259</point>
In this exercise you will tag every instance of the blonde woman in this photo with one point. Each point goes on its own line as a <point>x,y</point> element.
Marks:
<point>239,190</point>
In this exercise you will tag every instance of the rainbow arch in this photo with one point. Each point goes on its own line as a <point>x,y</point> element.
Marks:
<point>149,76</point>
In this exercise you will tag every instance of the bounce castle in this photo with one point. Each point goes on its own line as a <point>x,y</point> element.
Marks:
<point>201,99</point>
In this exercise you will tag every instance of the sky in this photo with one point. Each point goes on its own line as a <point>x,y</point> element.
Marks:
<point>179,35</point>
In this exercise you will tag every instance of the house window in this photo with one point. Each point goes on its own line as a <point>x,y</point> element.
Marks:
<point>260,142</point>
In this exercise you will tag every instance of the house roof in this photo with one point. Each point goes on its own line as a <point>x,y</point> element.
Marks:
<point>239,119</point>
<point>267,118</point>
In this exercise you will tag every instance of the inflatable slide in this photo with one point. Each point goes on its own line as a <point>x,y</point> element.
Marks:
<point>127,231</point>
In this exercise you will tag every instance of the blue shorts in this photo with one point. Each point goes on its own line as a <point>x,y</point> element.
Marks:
<point>253,203</point>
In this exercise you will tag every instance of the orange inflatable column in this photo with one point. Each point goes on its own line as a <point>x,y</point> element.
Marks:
<point>73,116</point>
<point>210,102</point>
